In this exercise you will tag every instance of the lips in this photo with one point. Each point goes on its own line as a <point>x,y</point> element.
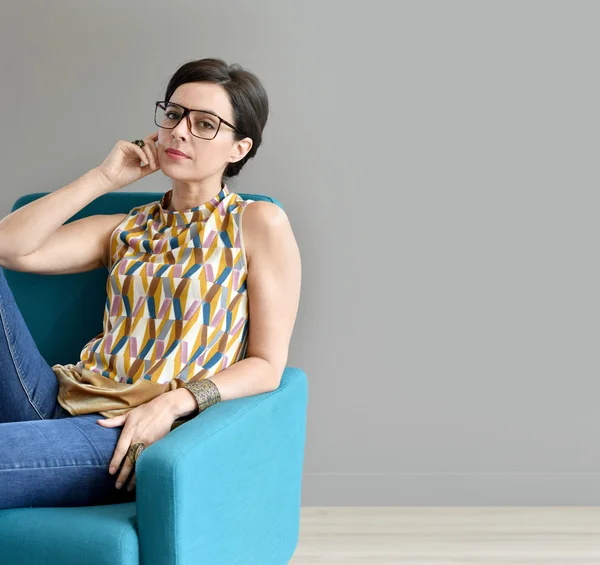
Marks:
<point>177,152</point>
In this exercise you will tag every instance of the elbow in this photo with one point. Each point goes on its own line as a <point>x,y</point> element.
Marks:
<point>276,373</point>
<point>271,370</point>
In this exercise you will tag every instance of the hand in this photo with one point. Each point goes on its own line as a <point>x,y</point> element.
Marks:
<point>124,163</point>
<point>146,423</point>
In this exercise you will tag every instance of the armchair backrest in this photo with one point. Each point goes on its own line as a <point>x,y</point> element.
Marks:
<point>63,312</point>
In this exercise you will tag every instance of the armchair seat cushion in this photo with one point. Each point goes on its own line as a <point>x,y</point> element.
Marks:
<point>82,535</point>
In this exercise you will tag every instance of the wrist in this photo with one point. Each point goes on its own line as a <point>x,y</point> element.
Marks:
<point>180,403</point>
<point>106,184</point>
<point>205,393</point>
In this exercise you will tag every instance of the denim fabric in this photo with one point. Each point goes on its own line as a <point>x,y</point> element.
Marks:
<point>47,456</point>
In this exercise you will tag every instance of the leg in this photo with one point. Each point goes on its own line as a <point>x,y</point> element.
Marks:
<point>60,462</point>
<point>28,385</point>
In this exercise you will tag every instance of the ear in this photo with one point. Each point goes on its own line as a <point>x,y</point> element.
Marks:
<point>240,149</point>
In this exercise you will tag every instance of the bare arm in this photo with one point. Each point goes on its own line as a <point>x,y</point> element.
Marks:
<point>34,238</point>
<point>26,229</point>
<point>82,245</point>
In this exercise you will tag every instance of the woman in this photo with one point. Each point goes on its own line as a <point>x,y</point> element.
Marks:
<point>184,275</point>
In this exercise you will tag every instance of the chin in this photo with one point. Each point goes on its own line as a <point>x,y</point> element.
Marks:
<point>193,177</point>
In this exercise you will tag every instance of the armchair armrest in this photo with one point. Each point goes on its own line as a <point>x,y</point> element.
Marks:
<point>225,487</point>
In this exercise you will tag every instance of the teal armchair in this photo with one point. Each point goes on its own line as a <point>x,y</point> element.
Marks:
<point>223,488</point>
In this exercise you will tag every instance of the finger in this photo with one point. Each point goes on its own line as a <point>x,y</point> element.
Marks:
<point>152,139</point>
<point>147,149</point>
<point>120,452</point>
<point>127,467</point>
<point>131,484</point>
<point>114,421</point>
<point>141,154</point>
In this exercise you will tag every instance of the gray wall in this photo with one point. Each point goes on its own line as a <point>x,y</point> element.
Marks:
<point>438,162</point>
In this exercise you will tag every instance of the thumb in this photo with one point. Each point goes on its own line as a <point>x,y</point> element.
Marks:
<point>148,169</point>
<point>115,421</point>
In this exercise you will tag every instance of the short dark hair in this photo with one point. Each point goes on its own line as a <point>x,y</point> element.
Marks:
<point>246,94</point>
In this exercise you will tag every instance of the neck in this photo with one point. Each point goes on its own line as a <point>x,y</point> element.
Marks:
<point>188,195</point>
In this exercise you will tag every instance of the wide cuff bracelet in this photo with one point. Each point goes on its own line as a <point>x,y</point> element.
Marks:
<point>205,392</point>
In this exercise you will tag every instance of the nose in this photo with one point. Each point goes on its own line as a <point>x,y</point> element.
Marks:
<point>181,130</point>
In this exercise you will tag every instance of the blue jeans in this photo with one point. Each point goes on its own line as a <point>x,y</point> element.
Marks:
<point>48,457</point>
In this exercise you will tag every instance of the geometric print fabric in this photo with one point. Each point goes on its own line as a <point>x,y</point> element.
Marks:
<point>176,303</point>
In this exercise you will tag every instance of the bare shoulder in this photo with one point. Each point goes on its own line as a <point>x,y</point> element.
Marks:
<point>261,213</point>
<point>263,223</point>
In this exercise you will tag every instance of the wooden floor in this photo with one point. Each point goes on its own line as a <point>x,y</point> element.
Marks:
<point>549,535</point>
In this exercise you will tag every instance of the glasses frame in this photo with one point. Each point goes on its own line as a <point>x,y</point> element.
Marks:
<point>186,114</point>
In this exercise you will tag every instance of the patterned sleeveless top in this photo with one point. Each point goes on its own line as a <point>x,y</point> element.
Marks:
<point>176,307</point>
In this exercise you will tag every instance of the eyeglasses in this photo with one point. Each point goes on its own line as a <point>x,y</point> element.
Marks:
<point>201,123</point>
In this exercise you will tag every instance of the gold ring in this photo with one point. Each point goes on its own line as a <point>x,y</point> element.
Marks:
<point>139,142</point>
<point>134,451</point>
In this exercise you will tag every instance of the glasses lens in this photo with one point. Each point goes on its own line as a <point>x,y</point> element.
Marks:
<point>167,115</point>
<point>204,125</point>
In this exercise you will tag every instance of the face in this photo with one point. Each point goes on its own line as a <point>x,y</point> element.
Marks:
<point>207,157</point>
